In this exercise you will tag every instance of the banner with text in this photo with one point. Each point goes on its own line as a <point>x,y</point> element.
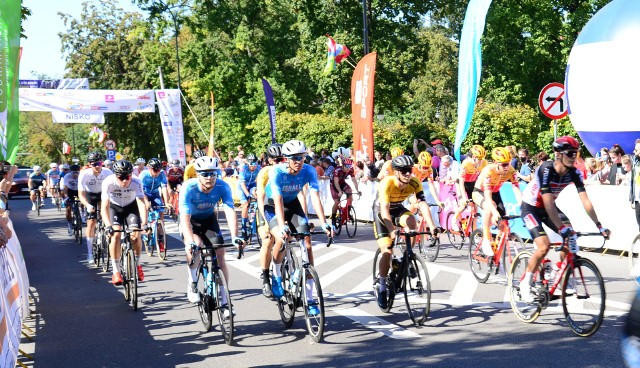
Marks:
<point>86,101</point>
<point>171,118</point>
<point>67,83</point>
<point>271,107</point>
<point>10,13</point>
<point>362,105</point>
<point>72,117</point>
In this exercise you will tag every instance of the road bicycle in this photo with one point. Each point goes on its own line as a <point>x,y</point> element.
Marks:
<point>129,267</point>
<point>157,239</point>
<point>296,272</point>
<point>39,200</point>
<point>428,243</point>
<point>76,220</point>
<point>56,198</point>
<point>578,281</point>
<point>408,275</point>
<point>100,245</point>
<point>458,235</point>
<point>505,249</point>
<point>251,227</point>
<point>634,259</point>
<point>346,216</point>
<point>214,290</point>
<point>173,211</point>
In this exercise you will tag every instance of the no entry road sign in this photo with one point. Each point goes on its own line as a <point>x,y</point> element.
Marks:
<point>553,101</point>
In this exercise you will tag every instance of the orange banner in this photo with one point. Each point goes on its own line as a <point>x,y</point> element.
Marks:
<point>362,105</point>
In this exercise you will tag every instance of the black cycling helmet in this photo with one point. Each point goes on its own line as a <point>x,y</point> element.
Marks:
<point>199,153</point>
<point>565,143</point>
<point>122,167</point>
<point>274,150</point>
<point>94,157</point>
<point>175,162</point>
<point>402,162</point>
<point>252,158</point>
<point>75,167</point>
<point>154,163</point>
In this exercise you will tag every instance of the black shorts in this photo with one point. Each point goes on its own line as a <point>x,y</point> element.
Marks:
<point>293,214</point>
<point>71,194</point>
<point>94,200</point>
<point>534,217</point>
<point>497,199</point>
<point>174,184</point>
<point>128,215</point>
<point>379,228</point>
<point>208,230</point>
<point>468,188</point>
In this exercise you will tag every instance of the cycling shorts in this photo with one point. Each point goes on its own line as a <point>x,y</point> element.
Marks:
<point>156,201</point>
<point>293,214</point>
<point>243,197</point>
<point>478,198</point>
<point>396,210</point>
<point>94,200</point>
<point>345,189</point>
<point>534,217</point>
<point>128,215</point>
<point>208,230</point>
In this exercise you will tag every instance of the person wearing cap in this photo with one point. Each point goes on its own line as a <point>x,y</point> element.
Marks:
<point>53,180</point>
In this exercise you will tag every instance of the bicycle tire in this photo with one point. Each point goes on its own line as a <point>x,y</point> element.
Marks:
<point>338,222</point>
<point>634,259</point>
<point>38,204</point>
<point>417,290</point>
<point>288,304</point>
<point>315,324</point>
<point>391,289</point>
<point>149,244</point>
<point>161,240</point>
<point>105,253</point>
<point>513,247</point>
<point>429,245</point>
<point>97,248</point>
<point>478,262</point>
<point>124,271</point>
<point>583,309</point>
<point>352,223</point>
<point>205,304</point>
<point>133,279</point>
<point>222,292</point>
<point>456,237</point>
<point>526,312</point>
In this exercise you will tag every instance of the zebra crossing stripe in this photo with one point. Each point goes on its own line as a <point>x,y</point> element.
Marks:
<point>377,324</point>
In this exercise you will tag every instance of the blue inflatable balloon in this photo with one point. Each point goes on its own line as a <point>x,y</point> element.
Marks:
<point>602,79</point>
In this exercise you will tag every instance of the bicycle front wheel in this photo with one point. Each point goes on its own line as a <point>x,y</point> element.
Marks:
<point>526,312</point>
<point>314,306</point>
<point>133,279</point>
<point>161,240</point>
<point>583,297</point>
<point>225,320</point>
<point>634,259</point>
<point>352,223</point>
<point>417,290</point>
<point>97,248</point>
<point>205,304</point>
<point>429,246</point>
<point>338,221</point>
<point>391,288</point>
<point>513,246</point>
<point>456,237</point>
<point>478,261</point>
<point>288,303</point>
<point>149,244</point>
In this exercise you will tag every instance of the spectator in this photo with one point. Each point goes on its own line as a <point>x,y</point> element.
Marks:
<point>318,167</point>
<point>440,151</point>
<point>325,154</point>
<point>524,167</point>
<point>388,156</point>
<point>541,157</point>
<point>604,156</point>
<point>634,190</point>
<point>514,157</point>
<point>594,170</point>
<point>449,170</point>
<point>379,160</point>
<point>328,167</point>
<point>625,179</point>
<point>615,155</point>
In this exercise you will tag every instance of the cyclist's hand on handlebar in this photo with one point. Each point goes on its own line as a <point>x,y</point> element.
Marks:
<point>359,193</point>
<point>238,241</point>
<point>604,231</point>
<point>284,232</point>
<point>91,208</point>
<point>328,228</point>
<point>110,230</point>
<point>146,227</point>
<point>565,231</point>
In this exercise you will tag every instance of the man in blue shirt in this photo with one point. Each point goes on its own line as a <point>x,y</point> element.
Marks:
<point>154,184</point>
<point>247,182</point>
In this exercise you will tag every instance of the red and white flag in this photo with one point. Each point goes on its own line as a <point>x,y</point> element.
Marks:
<point>66,148</point>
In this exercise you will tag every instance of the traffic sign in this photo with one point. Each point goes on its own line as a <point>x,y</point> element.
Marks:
<point>111,154</point>
<point>553,101</point>
<point>110,144</point>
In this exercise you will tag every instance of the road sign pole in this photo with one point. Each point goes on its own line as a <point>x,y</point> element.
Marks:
<point>555,130</point>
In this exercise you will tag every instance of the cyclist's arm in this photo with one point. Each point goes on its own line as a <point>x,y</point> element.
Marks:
<point>416,151</point>
<point>462,194</point>
<point>588,206</point>
<point>432,189</point>
<point>302,198</point>
<point>518,193</point>
<point>232,220</point>
<point>142,210</point>
<point>243,187</point>
<point>550,207</point>
<point>104,209</point>
<point>385,215</point>
<point>336,183</point>
<point>30,183</point>
<point>279,209</point>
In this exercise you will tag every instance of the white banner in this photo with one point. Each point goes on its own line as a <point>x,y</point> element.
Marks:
<point>73,117</point>
<point>86,101</point>
<point>74,83</point>
<point>171,118</point>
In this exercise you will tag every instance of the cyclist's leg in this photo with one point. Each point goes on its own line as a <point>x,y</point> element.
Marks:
<point>94,200</point>
<point>487,216</point>
<point>265,252</point>
<point>336,203</point>
<point>386,249</point>
<point>300,224</point>
<point>533,219</point>
<point>115,249</point>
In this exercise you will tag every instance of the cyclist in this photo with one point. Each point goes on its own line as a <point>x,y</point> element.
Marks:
<point>64,170</point>
<point>386,168</point>
<point>339,186</point>
<point>283,210</point>
<point>53,181</point>
<point>69,185</point>
<point>486,193</point>
<point>247,181</point>
<point>190,170</point>
<point>89,190</point>
<point>123,203</point>
<point>274,153</point>
<point>37,181</point>
<point>388,207</point>
<point>198,198</point>
<point>470,169</point>
<point>538,204</point>
<point>175,176</point>
<point>139,166</point>
<point>424,173</point>
<point>154,184</point>
<point>108,164</point>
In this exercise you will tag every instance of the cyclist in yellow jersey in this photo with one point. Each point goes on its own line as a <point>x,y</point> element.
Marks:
<point>470,169</point>
<point>486,193</point>
<point>424,173</point>
<point>392,191</point>
<point>386,168</point>
<point>190,170</point>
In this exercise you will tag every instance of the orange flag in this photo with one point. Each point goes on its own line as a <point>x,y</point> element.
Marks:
<point>362,105</point>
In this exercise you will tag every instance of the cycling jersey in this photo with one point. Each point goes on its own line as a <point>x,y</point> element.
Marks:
<point>200,205</point>
<point>248,177</point>
<point>87,182</point>
<point>342,173</point>
<point>70,181</point>
<point>389,190</point>
<point>547,180</point>
<point>36,180</point>
<point>263,179</point>
<point>54,176</point>
<point>492,179</point>
<point>288,186</point>
<point>470,171</point>
<point>120,196</point>
<point>175,174</point>
<point>423,173</point>
<point>151,185</point>
<point>190,172</point>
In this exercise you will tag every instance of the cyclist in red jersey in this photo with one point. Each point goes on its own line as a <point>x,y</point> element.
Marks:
<point>175,175</point>
<point>339,183</point>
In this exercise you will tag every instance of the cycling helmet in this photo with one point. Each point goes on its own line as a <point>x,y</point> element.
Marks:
<point>175,163</point>
<point>75,167</point>
<point>108,162</point>
<point>478,151</point>
<point>36,168</point>
<point>64,166</point>
<point>293,147</point>
<point>501,155</point>
<point>154,163</point>
<point>565,143</point>
<point>345,152</point>
<point>140,160</point>
<point>335,155</point>
<point>199,153</point>
<point>53,165</point>
<point>424,159</point>
<point>206,163</point>
<point>402,162</point>
<point>252,158</point>
<point>396,151</point>
<point>274,150</point>
<point>94,157</point>
<point>122,167</point>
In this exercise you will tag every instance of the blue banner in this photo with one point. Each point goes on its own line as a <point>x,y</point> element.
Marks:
<point>271,107</point>
<point>469,67</point>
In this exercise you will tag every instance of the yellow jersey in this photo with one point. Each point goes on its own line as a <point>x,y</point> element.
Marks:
<point>389,190</point>
<point>470,171</point>
<point>190,172</point>
<point>492,178</point>
<point>262,179</point>
<point>421,173</point>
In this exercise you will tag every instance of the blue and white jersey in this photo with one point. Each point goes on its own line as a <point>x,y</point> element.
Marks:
<point>151,185</point>
<point>200,205</point>
<point>287,185</point>
<point>247,176</point>
<point>36,179</point>
<point>70,181</point>
<point>54,176</point>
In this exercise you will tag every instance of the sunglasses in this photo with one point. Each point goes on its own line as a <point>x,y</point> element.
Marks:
<point>123,177</point>
<point>154,169</point>
<point>570,154</point>
<point>505,165</point>
<point>207,174</point>
<point>296,158</point>
<point>253,163</point>
<point>96,164</point>
<point>405,171</point>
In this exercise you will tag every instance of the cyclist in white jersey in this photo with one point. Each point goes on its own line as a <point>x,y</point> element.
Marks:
<point>69,186</point>
<point>123,202</point>
<point>89,189</point>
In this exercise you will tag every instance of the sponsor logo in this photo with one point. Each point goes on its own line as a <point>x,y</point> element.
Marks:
<point>109,98</point>
<point>125,107</point>
<point>161,95</point>
<point>530,221</point>
<point>144,97</point>
<point>144,106</point>
<point>75,106</point>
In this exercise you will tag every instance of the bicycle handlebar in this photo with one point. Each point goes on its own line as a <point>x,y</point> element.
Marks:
<point>313,233</point>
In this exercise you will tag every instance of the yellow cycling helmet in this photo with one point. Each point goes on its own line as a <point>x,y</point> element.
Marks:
<point>424,158</point>
<point>396,151</point>
<point>478,151</point>
<point>501,155</point>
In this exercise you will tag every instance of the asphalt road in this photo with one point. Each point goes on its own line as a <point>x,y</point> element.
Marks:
<point>82,320</point>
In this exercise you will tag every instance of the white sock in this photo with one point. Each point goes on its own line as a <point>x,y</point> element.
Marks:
<point>115,265</point>
<point>223,296</point>
<point>383,283</point>
<point>309,289</point>
<point>277,272</point>
<point>193,274</point>
<point>89,247</point>
<point>527,278</point>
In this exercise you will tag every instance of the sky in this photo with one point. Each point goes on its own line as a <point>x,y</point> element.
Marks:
<point>42,50</point>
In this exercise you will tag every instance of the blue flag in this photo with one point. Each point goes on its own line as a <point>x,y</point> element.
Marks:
<point>271,107</point>
<point>469,67</point>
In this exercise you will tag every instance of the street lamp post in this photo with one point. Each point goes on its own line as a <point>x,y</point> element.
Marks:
<point>175,28</point>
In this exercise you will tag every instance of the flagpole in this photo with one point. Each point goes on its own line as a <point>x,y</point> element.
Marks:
<point>210,151</point>
<point>348,62</point>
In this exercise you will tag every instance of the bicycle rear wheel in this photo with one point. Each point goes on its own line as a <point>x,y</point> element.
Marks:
<point>222,293</point>
<point>456,237</point>
<point>417,290</point>
<point>526,312</point>
<point>634,259</point>
<point>206,303</point>
<point>352,223</point>
<point>315,321</point>
<point>391,288</point>
<point>161,240</point>
<point>105,253</point>
<point>338,221</point>
<point>133,279</point>
<point>288,304</point>
<point>584,305</point>
<point>478,261</point>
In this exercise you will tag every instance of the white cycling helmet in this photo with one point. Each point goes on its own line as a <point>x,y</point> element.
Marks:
<point>335,155</point>
<point>206,163</point>
<point>65,166</point>
<point>293,147</point>
<point>345,152</point>
<point>53,165</point>
<point>36,168</point>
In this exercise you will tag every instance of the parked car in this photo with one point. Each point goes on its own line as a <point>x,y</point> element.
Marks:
<point>20,181</point>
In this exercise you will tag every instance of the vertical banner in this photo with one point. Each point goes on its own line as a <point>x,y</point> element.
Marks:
<point>171,118</point>
<point>210,150</point>
<point>10,13</point>
<point>271,107</point>
<point>362,105</point>
<point>469,67</point>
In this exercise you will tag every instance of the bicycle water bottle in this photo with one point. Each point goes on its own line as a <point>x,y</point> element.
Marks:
<point>573,244</point>
<point>395,264</point>
<point>548,269</point>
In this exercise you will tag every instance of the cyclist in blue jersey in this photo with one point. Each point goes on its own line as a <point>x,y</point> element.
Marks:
<point>247,181</point>
<point>53,181</point>
<point>154,184</point>
<point>64,170</point>
<point>37,181</point>
<point>284,213</point>
<point>198,221</point>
